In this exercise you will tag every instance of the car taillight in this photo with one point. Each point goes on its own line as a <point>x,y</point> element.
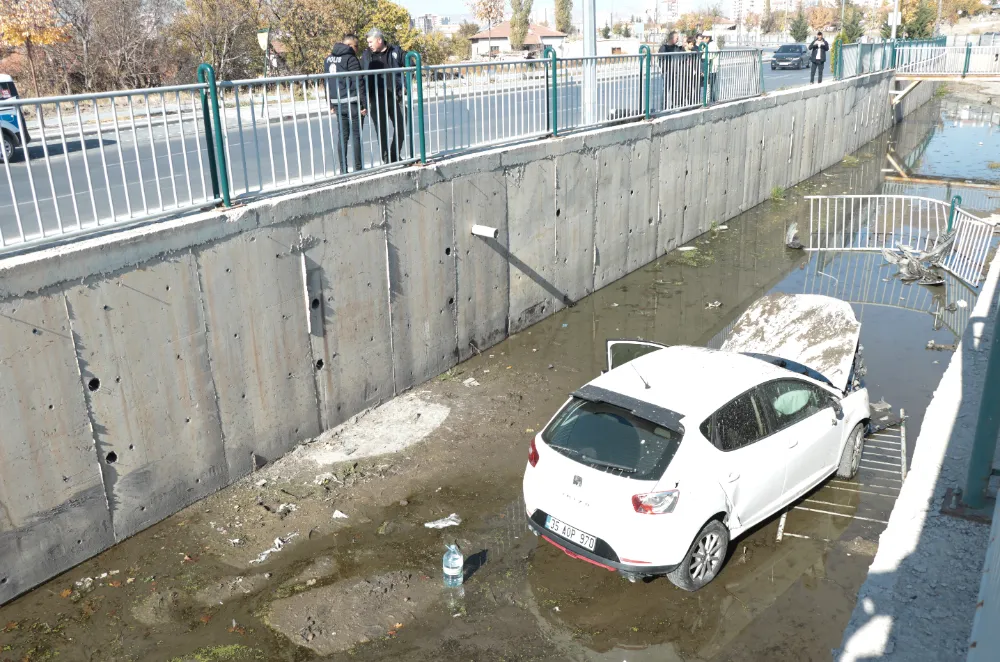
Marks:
<point>532,453</point>
<point>656,503</point>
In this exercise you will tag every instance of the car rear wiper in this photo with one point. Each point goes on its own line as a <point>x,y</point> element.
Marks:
<point>571,451</point>
<point>610,465</point>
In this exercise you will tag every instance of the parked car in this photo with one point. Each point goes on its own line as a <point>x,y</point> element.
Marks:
<point>656,465</point>
<point>11,119</point>
<point>791,56</point>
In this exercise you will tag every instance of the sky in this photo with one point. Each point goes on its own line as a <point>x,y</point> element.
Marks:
<point>621,8</point>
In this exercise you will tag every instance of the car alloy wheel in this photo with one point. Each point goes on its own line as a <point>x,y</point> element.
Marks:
<point>858,442</point>
<point>707,557</point>
<point>8,148</point>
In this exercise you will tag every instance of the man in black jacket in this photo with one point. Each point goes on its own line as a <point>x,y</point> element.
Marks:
<point>671,70</point>
<point>347,98</point>
<point>817,56</point>
<point>385,92</point>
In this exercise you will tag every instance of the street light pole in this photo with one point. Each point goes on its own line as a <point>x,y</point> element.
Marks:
<point>895,18</point>
<point>590,65</point>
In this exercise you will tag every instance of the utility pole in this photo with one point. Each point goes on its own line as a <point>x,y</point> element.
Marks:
<point>895,18</point>
<point>589,65</point>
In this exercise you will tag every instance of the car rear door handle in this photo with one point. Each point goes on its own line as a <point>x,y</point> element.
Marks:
<point>733,476</point>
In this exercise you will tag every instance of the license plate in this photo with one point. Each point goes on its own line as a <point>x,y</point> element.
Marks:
<point>582,539</point>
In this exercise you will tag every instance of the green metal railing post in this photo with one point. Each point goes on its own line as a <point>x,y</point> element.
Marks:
<point>838,53</point>
<point>216,151</point>
<point>955,202</point>
<point>760,68</point>
<point>704,74</point>
<point>968,58</point>
<point>550,53</point>
<point>413,60</point>
<point>987,427</point>
<point>648,61</point>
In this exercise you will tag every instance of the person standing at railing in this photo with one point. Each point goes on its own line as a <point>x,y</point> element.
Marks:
<point>671,76</point>
<point>817,56</point>
<point>346,94</point>
<point>692,73</point>
<point>385,92</point>
<point>713,68</point>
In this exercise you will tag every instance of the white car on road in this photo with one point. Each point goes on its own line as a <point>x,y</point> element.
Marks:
<point>653,467</point>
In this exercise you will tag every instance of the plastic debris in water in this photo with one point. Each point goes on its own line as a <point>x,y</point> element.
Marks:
<point>452,566</point>
<point>714,304</point>
<point>471,381</point>
<point>339,515</point>
<point>687,248</point>
<point>450,520</point>
<point>881,405</point>
<point>792,236</point>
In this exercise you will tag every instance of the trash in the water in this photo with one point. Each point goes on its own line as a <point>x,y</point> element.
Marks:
<point>339,515</point>
<point>951,307</point>
<point>687,248</point>
<point>792,236</point>
<point>556,608</point>
<point>452,564</point>
<point>714,304</point>
<point>721,227</point>
<point>565,325</point>
<point>279,543</point>
<point>261,483</point>
<point>324,478</point>
<point>286,508</point>
<point>939,347</point>
<point>881,405</point>
<point>450,520</point>
<point>614,305</point>
<point>471,381</point>
<point>962,303</point>
<point>311,582</point>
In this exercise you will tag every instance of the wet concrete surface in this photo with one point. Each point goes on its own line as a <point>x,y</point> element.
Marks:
<point>368,586</point>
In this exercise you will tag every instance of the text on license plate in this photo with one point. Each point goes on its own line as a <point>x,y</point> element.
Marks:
<point>582,539</point>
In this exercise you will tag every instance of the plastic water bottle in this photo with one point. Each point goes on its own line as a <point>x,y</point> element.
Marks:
<point>452,564</point>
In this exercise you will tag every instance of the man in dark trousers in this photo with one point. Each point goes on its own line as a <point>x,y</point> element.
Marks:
<point>347,98</point>
<point>385,92</point>
<point>671,70</point>
<point>817,56</point>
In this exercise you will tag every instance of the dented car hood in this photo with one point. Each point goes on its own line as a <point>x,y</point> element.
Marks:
<point>819,332</point>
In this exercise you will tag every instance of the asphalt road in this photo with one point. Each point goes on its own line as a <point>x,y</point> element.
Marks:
<point>135,175</point>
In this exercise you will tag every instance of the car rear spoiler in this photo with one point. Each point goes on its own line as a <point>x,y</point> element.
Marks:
<point>652,413</point>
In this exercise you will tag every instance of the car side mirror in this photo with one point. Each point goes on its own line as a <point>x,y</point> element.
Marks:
<point>838,409</point>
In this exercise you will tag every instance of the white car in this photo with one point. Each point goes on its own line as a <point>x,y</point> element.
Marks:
<point>653,467</point>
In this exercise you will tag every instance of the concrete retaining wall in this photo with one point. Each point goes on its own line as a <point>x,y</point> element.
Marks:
<point>144,370</point>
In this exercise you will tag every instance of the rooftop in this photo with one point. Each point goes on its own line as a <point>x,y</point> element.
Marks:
<point>502,31</point>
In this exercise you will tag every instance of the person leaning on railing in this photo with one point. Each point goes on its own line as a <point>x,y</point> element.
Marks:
<point>671,92</point>
<point>385,92</point>
<point>347,97</point>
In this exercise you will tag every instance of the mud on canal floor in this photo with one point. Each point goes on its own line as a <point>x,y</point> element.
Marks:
<point>270,569</point>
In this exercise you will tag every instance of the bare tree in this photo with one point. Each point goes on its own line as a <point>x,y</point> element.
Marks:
<point>222,33</point>
<point>490,11</point>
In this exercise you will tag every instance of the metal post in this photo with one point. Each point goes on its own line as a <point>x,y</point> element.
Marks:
<point>704,74</point>
<point>968,57</point>
<point>589,65</point>
<point>987,427</point>
<point>760,68</point>
<point>955,202</point>
<point>554,104</point>
<point>216,157</point>
<point>895,17</point>
<point>413,60</point>
<point>647,60</point>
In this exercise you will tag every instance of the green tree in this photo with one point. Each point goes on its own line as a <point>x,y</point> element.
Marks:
<point>606,32</point>
<point>564,16</point>
<point>467,29</point>
<point>920,24</point>
<point>519,23</point>
<point>799,28</point>
<point>29,24</point>
<point>853,29</point>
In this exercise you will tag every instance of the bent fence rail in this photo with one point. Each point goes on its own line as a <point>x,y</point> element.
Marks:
<point>877,222</point>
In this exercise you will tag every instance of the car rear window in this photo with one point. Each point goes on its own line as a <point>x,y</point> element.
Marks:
<point>612,439</point>
<point>788,49</point>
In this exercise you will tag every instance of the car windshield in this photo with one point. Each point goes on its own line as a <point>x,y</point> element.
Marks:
<point>788,49</point>
<point>612,439</point>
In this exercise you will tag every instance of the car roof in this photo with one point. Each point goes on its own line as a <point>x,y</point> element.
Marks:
<point>691,381</point>
<point>5,78</point>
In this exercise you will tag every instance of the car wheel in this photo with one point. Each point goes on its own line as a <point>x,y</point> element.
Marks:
<point>704,559</point>
<point>8,147</point>
<point>850,459</point>
<point>773,67</point>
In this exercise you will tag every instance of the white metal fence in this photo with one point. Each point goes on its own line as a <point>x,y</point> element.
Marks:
<point>676,82</point>
<point>877,222</point>
<point>100,159</point>
<point>617,87</point>
<point>471,105</point>
<point>734,74</point>
<point>948,60</point>
<point>295,130</point>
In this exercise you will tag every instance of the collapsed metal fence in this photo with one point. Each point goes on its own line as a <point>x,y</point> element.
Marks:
<point>97,161</point>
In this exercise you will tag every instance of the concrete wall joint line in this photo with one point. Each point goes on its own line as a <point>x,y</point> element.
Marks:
<point>388,280</point>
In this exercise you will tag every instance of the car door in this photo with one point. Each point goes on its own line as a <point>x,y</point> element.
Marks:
<point>808,429</point>
<point>621,352</point>
<point>750,469</point>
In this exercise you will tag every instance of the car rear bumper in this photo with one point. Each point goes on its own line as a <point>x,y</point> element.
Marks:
<point>577,552</point>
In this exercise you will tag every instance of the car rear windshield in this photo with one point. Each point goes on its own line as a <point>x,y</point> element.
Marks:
<point>612,439</point>
<point>788,49</point>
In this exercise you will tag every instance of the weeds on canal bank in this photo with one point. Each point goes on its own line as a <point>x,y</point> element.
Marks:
<point>778,193</point>
<point>851,160</point>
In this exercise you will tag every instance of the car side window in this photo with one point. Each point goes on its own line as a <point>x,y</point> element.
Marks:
<point>737,424</point>
<point>789,401</point>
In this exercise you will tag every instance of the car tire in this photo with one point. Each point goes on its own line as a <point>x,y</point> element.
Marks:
<point>773,67</point>
<point>704,559</point>
<point>8,147</point>
<point>850,458</point>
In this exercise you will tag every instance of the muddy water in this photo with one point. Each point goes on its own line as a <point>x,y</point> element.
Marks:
<point>180,592</point>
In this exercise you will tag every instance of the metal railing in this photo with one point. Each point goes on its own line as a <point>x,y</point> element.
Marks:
<point>878,222</point>
<point>132,156</point>
<point>294,130</point>
<point>474,105</point>
<point>859,59</point>
<point>94,160</point>
<point>967,60</point>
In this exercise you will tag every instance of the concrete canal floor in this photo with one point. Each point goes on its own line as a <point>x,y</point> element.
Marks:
<point>271,569</point>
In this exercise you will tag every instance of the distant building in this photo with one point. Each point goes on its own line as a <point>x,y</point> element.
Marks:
<point>498,39</point>
<point>428,23</point>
